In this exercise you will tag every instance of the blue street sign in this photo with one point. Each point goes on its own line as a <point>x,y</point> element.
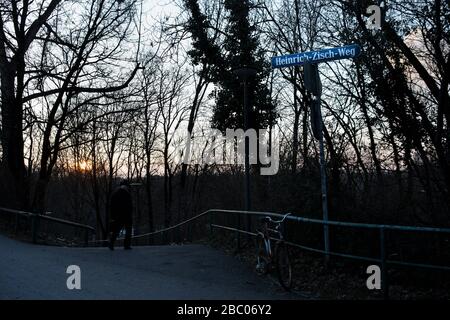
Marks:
<point>346,52</point>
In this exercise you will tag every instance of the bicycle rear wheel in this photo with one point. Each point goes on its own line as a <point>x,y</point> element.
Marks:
<point>262,260</point>
<point>284,268</point>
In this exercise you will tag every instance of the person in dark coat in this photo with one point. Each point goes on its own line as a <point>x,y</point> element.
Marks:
<point>121,214</point>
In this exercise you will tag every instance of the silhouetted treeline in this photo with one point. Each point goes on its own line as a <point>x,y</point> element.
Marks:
<point>91,93</point>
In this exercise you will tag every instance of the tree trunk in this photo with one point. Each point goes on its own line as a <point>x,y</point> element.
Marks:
<point>14,173</point>
<point>148,191</point>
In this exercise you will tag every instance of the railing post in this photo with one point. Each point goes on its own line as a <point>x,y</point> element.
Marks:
<point>210,218</point>
<point>190,233</point>
<point>86,238</point>
<point>16,227</point>
<point>384,271</point>
<point>34,227</point>
<point>238,234</point>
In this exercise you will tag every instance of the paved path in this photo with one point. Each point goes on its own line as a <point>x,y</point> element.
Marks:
<point>159,272</point>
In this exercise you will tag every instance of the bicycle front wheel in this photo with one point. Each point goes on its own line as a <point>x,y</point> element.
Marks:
<point>284,268</point>
<point>262,259</point>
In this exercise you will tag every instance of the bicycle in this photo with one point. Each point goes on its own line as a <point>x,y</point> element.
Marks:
<point>267,258</point>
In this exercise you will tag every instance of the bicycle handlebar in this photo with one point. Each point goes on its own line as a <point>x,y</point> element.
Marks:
<point>269,219</point>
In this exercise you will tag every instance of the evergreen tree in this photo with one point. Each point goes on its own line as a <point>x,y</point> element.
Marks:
<point>240,48</point>
<point>205,52</point>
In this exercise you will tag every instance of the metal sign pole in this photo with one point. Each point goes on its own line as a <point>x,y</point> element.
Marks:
<point>314,86</point>
<point>323,182</point>
<point>244,74</point>
<point>248,201</point>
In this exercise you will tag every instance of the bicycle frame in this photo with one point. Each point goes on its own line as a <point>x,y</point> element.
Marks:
<point>265,233</point>
<point>268,258</point>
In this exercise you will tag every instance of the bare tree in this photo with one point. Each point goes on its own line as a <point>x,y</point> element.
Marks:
<point>77,43</point>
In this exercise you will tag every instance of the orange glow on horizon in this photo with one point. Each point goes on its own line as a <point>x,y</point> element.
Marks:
<point>84,166</point>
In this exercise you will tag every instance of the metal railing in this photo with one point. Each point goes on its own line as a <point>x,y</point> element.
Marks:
<point>382,259</point>
<point>164,230</point>
<point>35,219</point>
<point>382,228</point>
